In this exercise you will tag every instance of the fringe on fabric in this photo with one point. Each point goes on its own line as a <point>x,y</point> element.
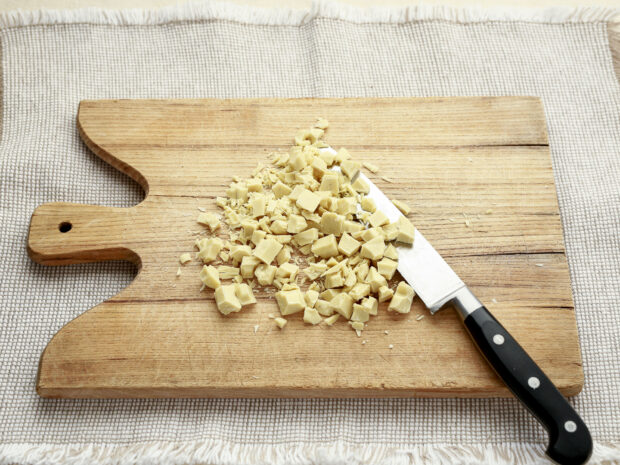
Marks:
<point>335,453</point>
<point>210,10</point>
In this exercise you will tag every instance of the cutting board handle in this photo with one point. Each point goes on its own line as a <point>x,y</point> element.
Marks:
<point>67,233</point>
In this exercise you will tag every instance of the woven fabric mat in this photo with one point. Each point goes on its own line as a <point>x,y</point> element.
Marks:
<point>51,61</point>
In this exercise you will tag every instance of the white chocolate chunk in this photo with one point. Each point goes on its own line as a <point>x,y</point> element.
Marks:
<point>332,319</point>
<point>311,297</point>
<point>402,299</point>
<point>370,167</point>
<point>334,280</point>
<point>290,302</point>
<point>378,218</point>
<point>406,231</point>
<point>360,313</point>
<point>228,272</point>
<point>308,200</point>
<point>347,245</point>
<point>244,294</point>
<point>237,252</point>
<point>324,307</point>
<point>279,227</point>
<point>209,219</point>
<point>373,249</point>
<point>311,316</point>
<point>391,252</point>
<point>281,190</point>
<point>208,249</point>
<point>281,322</point>
<point>371,304</point>
<point>352,227</point>
<point>226,300</point>
<point>359,291</point>
<point>296,224</point>
<point>361,186</point>
<point>375,279</point>
<point>325,247</point>
<point>350,167</point>
<point>258,205</point>
<point>385,293</point>
<point>306,237</point>
<point>368,204</point>
<point>296,192</point>
<point>287,270</point>
<point>248,265</point>
<point>184,258</point>
<point>387,267</point>
<point>210,276</point>
<point>258,236</point>
<point>267,249</point>
<point>283,256</point>
<point>332,223</point>
<point>265,274</point>
<point>330,183</point>
<point>343,304</point>
<point>402,206</point>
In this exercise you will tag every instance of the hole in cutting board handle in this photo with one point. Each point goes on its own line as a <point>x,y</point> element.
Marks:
<point>65,227</point>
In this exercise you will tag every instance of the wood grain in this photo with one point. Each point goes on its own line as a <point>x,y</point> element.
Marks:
<point>481,159</point>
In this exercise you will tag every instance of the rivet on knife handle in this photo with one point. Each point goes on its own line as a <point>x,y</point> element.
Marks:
<point>570,442</point>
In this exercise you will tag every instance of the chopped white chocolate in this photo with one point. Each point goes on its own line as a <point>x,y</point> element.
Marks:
<point>370,167</point>
<point>258,205</point>
<point>347,245</point>
<point>361,186</point>
<point>343,304</point>
<point>406,231</point>
<point>290,301</point>
<point>244,294</point>
<point>330,183</point>
<point>279,227</point>
<point>227,272</point>
<point>330,320</point>
<point>350,167</point>
<point>210,276</point>
<point>209,219</point>
<point>284,255</point>
<point>311,316</point>
<point>226,300</point>
<point>311,297</point>
<point>378,218</point>
<point>385,293</point>
<point>308,200</point>
<point>306,237</point>
<point>208,249</point>
<point>324,307</point>
<point>325,247</point>
<point>265,274</point>
<point>360,313</point>
<point>184,258</point>
<point>258,236</point>
<point>267,249</point>
<point>402,206</point>
<point>334,280</point>
<point>248,265</point>
<point>359,291</point>
<point>332,223</point>
<point>296,224</point>
<point>287,270</point>
<point>391,252</point>
<point>237,252</point>
<point>280,190</point>
<point>368,204</point>
<point>178,272</point>
<point>402,299</point>
<point>387,267</point>
<point>352,226</point>
<point>371,304</point>
<point>375,279</point>
<point>280,322</point>
<point>373,249</point>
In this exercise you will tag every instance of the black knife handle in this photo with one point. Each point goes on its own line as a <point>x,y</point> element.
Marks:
<point>570,442</point>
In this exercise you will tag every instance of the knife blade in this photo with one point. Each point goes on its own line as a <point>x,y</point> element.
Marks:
<point>437,284</point>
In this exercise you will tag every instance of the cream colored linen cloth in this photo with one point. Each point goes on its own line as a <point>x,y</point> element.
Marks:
<point>52,60</point>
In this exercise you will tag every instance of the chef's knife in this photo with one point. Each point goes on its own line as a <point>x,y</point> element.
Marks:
<point>438,286</point>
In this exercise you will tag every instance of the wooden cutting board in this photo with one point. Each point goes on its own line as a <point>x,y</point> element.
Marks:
<point>484,161</point>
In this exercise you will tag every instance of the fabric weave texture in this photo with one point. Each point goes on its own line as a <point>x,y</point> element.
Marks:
<point>48,69</point>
